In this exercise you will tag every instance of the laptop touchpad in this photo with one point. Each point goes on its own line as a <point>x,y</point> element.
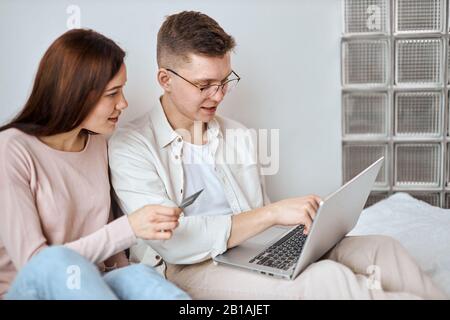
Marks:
<point>265,237</point>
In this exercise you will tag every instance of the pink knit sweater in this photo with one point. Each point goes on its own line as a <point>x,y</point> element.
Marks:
<point>51,197</point>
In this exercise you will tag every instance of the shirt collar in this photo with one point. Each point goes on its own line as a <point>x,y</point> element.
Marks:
<point>165,133</point>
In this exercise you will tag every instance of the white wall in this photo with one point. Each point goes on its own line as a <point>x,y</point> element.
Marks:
<point>287,56</point>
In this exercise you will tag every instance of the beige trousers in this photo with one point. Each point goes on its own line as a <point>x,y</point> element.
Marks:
<point>363,267</point>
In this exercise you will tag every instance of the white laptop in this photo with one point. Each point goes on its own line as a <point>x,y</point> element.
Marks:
<point>285,251</point>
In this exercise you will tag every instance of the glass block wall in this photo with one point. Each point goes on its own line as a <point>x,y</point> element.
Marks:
<point>395,96</point>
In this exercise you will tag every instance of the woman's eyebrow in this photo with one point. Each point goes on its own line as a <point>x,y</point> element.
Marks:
<point>114,88</point>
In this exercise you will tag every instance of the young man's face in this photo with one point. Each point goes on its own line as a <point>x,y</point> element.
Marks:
<point>203,71</point>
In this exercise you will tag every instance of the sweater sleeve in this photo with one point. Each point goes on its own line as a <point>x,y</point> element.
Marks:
<point>20,226</point>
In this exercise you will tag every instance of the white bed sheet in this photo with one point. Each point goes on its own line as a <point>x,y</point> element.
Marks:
<point>422,229</point>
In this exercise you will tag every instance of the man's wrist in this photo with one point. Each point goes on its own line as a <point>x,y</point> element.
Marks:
<point>268,215</point>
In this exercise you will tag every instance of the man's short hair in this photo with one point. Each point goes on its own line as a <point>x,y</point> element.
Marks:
<point>191,32</point>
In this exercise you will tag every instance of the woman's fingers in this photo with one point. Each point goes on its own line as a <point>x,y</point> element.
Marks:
<point>154,222</point>
<point>164,218</point>
<point>168,211</point>
<point>161,235</point>
<point>165,226</point>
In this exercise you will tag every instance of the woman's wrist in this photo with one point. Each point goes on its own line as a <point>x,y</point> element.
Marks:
<point>130,218</point>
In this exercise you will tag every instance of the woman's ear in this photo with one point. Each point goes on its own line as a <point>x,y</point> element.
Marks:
<point>164,79</point>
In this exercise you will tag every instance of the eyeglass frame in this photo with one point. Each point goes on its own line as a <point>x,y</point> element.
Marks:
<point>211,85</point>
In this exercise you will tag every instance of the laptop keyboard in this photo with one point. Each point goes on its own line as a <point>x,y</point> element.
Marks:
<point>283,253</point>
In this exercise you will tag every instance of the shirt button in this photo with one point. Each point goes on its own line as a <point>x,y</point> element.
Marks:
<point>179,139</point>
<point>157,257</point>
<point>177,157</point>
<point>181,190</point>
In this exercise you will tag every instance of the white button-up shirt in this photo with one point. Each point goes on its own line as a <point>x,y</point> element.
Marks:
<point>145,159</point>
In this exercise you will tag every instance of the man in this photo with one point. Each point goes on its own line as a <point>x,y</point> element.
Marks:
<point>182,146</point>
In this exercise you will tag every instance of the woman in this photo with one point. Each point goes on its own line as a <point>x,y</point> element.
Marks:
<point>56,227</point>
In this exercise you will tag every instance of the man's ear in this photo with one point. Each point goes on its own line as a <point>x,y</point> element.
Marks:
<point>164,79</point>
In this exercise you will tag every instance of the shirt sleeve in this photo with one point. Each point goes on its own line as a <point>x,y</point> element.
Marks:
<point>136,182</point>
<point>20,226</point>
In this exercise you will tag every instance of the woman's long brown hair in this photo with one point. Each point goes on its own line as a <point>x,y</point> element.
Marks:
<point>70,80</point>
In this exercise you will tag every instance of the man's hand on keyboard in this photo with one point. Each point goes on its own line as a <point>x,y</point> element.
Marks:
<point>295,211</point>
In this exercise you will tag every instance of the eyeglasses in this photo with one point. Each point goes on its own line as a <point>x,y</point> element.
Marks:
<point>210,90</point>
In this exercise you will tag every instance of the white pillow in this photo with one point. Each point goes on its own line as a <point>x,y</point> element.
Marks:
<point>422,229</point>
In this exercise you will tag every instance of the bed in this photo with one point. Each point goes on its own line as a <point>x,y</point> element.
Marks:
<point>422,229</point>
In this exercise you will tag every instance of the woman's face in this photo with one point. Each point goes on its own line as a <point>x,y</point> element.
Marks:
<point>103,118</point>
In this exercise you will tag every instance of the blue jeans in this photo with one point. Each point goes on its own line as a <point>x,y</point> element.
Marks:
<point>62,274</point>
